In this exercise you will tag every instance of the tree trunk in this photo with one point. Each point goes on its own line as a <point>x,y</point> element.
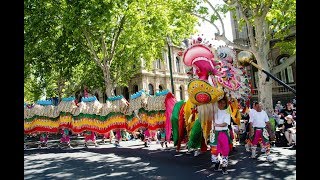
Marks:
<point>261,54</point>
<point>264,87</point>
<point>59,92</point>
<point>108,83</point>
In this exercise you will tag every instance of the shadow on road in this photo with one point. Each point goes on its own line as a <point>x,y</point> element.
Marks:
<point>143,163</point>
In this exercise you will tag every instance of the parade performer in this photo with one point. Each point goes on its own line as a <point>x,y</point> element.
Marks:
<point>90,136</point>
<point>25,142</point>
<point>147,138</point>
<point>118,137</point>
<point>260,129</point>
<point>109,135</point>
<point>248,141</point>
<point>43,140</point>
<point>220,138</point>
<point>163,138</point>
<point>65,139</point>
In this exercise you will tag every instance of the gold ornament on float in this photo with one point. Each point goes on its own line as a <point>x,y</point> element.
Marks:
<point>244,58</point>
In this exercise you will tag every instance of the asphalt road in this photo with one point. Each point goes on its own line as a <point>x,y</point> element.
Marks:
<point>134,161</point>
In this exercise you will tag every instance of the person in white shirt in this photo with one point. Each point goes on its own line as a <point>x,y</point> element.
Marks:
<point>220,140</point>
<point>260,129</point>
<point>253,110</point>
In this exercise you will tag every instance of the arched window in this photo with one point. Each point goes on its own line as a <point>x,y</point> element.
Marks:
<point>126,93</point>
<point>135,89</point>
<point>115,92</point>
<point>151,91</point>
<point>178,64</point>
<point>160,88</point>
<point>181,93</point>
<point>285,75</point>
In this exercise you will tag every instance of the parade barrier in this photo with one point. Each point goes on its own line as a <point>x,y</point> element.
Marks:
<point>91,115</point>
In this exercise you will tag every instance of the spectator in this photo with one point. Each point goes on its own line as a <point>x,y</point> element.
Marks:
<point>287,111</point>
<point>289,129</point>
<point>294,101</point>
<point>278,106</point>
<point>277,117</point>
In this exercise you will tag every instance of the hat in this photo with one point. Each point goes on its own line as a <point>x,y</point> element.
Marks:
<point>288,117</point>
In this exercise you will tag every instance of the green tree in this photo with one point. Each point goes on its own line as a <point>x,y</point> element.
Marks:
<point>50,53</point>
<point>63,38</point>
<point>266,21</point>
<point>120,33</point>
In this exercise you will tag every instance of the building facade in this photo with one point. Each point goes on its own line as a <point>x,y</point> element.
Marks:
<point>156,79</point>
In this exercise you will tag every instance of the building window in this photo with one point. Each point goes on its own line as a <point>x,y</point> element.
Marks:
<point>151,91</point>
<point>286,75</point>
<point>158,64</point>
<point>181,93</point>
<point>126,93</point>
<point>160,88</point>
<point>115,92</point>
<point>135,89</point>
<point>178,64</point>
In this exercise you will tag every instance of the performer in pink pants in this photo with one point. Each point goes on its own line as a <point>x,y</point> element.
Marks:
<point>65,139</point>
<point>43,140</point>
<point>109,135</point>
<point>147,138</point>
<point>90,136</point>
<point>260,129</point>
<point>220,140</point>
<point>118,137</point>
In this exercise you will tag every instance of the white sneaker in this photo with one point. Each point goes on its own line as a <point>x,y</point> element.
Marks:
<point>196,153</point>
<point>269,159</point>
<point>247,147</point>
<point>253,156</point>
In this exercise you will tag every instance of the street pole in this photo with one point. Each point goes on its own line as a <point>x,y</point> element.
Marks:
<point>170,64</point>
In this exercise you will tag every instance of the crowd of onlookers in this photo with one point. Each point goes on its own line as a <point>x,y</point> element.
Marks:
<point>283,121</point>
<point>285,117</point>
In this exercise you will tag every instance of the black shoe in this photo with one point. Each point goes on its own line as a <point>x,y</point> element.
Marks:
<point>224,170</point>
<point>216,166</point>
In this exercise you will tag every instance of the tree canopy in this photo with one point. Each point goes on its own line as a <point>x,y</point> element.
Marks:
<point>63,38</point>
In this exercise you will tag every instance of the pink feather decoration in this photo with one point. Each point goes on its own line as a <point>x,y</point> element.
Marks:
<point>169,104</point>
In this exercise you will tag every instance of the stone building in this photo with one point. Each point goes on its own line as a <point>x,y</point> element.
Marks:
<point>157,79</point>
